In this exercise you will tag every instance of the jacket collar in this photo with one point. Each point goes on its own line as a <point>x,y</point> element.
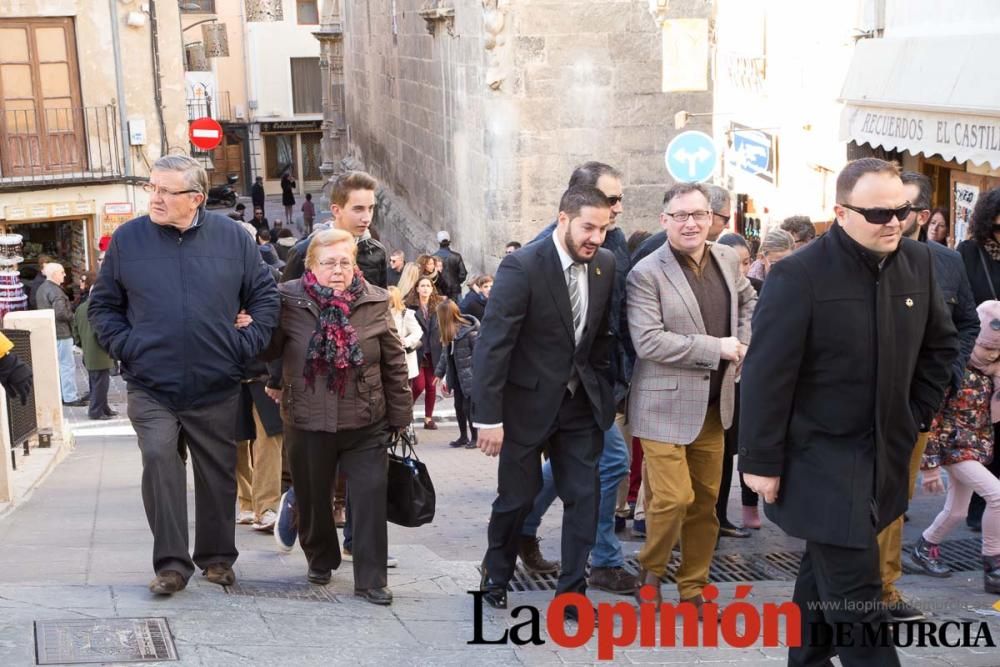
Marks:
<point>293,289</point>
<point>872,261</point>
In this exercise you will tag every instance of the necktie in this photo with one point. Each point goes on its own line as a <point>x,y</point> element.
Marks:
<point>575,301</point>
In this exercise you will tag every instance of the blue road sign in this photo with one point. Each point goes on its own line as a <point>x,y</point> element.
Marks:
<point>691,156</point>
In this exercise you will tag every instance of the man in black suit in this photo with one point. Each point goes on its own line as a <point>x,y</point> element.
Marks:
<point>851,352</point>
<point>543,381</point>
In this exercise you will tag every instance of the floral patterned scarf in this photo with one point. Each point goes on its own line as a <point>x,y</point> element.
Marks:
<point>333,349</point>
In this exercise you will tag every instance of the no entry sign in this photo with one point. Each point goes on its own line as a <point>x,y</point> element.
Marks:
<point>205,133</point>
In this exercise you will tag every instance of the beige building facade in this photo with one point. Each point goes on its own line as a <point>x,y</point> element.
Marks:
<point>82,116</point>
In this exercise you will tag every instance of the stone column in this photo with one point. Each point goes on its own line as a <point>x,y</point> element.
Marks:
<point>331,64</point>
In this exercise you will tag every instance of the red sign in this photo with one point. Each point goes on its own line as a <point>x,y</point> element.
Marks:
<point>205,133</point>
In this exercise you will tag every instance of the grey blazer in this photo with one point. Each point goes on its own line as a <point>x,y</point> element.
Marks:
<point>668,400</point>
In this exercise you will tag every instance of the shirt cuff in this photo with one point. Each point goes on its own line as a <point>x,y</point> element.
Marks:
<point>478,425</point>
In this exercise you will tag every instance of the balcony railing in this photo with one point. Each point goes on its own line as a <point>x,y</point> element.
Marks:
<point>60,146</point>
<point>217,107</point>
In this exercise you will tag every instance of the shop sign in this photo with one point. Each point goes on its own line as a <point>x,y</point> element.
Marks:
<point>15,213</point>
<point>83,208</point>
<point>953,136</point>
<point>62,210</point>
<point>115,215</point>
<point>292,126</point>
<point>753,152</point>
<point>39,211</point>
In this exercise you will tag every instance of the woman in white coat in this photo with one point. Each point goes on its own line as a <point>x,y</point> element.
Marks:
<point>408,329</point>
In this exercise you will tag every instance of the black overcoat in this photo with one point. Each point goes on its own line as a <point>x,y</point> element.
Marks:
<point>849,358</point>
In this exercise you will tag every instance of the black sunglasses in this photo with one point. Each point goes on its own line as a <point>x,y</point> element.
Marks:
<point>614,200</point>
<point>882,216</point>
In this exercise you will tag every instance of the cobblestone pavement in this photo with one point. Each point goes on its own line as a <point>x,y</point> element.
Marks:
<point>80,549</point>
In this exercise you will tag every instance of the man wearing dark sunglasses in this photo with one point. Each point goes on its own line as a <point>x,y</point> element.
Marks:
<point>851,352</point>
<point>949,271</point>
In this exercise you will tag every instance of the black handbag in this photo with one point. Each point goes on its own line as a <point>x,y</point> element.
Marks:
<point>410,491</point>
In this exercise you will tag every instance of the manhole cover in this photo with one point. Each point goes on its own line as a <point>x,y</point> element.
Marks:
<point>282,590</point>
<point>106,640</point>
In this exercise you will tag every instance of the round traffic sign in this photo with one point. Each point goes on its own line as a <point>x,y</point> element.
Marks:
<point>691,156</point>
<point>205,133</point>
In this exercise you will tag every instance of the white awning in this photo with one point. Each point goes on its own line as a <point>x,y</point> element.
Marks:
<point>930,95</point>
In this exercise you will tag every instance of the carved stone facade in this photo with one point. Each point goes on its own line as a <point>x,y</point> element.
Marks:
<point>476,129</point>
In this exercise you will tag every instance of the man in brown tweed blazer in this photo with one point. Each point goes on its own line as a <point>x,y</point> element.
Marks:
<point>689,317</point>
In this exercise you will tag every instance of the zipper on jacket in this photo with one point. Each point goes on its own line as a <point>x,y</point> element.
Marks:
<point>874,496</point>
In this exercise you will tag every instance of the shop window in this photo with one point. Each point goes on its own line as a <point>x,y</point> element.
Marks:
<point>197,6</point>
<point>312,156</point>
<point>280,155</point>
<point>307,95</point>
<point>307,12</point>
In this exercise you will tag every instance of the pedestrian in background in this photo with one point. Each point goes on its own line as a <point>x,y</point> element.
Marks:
<point>166,304</point>
<point>410,333</point>
<point>288,186</point>
<point>429,269</point>
<point>452,266</point>
<point>97,362</point>
<point>454,368</point>
<point>424,300</point>
<point>512,246</point>
<point>938,227</point>
<point>474,302</point>
<point>308,213</point>
<point>340,378</point>
<point>258,220</point>
<point>51,296</point>
<point>981,255</point>
<point>257,196</point>
<point>397,260</point>
<point>408,278</point>
<point>259,442</point>
<point>284,244</point>
<point>962,441</point>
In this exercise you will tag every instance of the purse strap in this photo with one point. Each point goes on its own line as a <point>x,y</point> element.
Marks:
<point>986,270</point>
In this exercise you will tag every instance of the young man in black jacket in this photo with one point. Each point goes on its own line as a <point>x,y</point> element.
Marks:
<point>454,266</point>
<point>851,352</point>
<point>166,304</point>
<point>352,201</point>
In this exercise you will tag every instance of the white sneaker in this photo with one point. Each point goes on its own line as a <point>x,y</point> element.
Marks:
<point>246,518</point>
<point>266,522</point>
<point>346,556</point>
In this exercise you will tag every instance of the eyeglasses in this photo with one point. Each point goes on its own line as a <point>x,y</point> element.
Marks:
<point>343,265</point>
<point>614,200</point>
<point>151,189</point>
<point>682,216</point>
<point>882,216</point>
<point>725,218</point>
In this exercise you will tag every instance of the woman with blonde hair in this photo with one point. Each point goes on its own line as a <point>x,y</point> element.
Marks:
<point>458,340</point>
<point>408,278</point>
<point>341,382</point>
<point>408,329</point>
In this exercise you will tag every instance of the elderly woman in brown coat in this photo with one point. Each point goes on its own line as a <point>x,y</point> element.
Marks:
<point>341,381</point>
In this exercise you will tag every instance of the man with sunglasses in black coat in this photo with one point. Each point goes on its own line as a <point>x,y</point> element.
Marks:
<point>851,352</point>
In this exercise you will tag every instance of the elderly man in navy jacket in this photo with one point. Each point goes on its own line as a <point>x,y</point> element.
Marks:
<point>166,305</point>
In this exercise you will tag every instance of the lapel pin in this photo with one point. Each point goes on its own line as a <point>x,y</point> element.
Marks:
<point>597,270</point>
<point>909,303</point>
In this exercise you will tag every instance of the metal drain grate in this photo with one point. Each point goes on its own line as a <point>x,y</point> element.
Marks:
<point>958,555</point>
<point>282,590</point>
<point>108,640</point>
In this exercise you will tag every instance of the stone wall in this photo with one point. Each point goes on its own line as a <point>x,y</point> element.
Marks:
<point>476,127</point>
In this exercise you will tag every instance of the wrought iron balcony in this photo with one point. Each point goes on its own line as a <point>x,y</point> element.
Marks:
<point>218,107</point>
<point>47,147</point>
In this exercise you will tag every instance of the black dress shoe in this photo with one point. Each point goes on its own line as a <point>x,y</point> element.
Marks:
<point>733,531</point>
<point>102,417</point>
<point>379,596</point>
<point>495,594</point>
<point>319,577</point>
<point>110,413</point>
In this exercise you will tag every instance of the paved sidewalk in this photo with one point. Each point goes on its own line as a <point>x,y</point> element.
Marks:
<point>80,549</point>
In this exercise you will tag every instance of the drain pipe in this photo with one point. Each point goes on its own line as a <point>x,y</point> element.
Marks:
<point>157,91</point>
<point>120,86</point>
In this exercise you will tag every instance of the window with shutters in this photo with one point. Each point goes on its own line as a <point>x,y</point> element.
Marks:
<point>307,12</point>
<point>307,94</point>
<point>42,122</point>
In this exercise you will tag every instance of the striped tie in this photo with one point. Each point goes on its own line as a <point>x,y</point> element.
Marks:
<point>575,302</point>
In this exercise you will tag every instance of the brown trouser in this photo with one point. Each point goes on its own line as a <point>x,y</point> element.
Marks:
<point>258,471</point>
<point>682,483</point>
<point>890,540</point>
